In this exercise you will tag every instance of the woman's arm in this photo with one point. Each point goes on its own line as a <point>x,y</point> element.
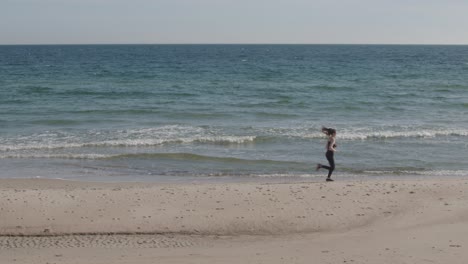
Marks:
<point>332,144</point>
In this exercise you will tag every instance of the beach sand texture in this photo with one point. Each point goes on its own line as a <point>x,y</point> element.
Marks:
<point>375,221</point>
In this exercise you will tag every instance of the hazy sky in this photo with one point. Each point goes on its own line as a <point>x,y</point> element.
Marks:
<point>233,21</point>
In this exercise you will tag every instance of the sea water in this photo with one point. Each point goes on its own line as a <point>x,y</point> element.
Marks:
<point>185,112</point>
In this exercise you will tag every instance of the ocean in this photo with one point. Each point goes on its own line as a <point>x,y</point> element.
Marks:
<point>188,113</point>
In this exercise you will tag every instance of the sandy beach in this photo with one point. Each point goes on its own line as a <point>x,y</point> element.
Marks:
<point>375,221</point>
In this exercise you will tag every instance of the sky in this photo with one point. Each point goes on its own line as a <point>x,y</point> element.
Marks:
<point>234,21</point>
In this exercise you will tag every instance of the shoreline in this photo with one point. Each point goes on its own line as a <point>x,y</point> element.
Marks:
<point>245,179</point>
<point>384,221</point>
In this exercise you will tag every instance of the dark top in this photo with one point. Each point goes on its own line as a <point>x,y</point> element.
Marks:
<point>328,145</point>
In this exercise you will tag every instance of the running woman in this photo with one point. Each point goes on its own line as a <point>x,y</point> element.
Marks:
<point>331,148</point>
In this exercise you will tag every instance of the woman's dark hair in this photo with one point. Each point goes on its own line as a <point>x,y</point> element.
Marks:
<point>328,131</point>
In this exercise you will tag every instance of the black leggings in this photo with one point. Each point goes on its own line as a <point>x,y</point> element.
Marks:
<point>331,160</point>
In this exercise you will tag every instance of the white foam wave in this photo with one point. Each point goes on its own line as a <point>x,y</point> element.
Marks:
<point>402,134</point>
<point>421,173</point>
<point>54,156</point>
<point>155,142</point>
<point>433,173</point>
<point>287,175</point>
<point>129,143</point>
<point>357,133</point>
<point>187,134</point>
<point>349,134</point>
<point>121,138</point>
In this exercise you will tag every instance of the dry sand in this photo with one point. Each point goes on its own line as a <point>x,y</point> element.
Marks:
<point>385,221</point>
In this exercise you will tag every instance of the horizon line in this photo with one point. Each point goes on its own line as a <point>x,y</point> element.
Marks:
<point>350,44</point>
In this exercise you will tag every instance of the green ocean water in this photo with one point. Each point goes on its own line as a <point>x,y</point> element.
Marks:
<point>185,112</point>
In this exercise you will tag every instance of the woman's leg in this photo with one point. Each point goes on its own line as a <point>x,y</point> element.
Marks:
<point>331,160</point>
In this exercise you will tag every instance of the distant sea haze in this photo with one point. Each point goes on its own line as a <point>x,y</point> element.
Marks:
<point>232,112</point>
